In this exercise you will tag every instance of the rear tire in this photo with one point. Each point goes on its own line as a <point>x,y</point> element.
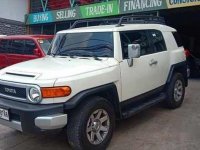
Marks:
<point>91,125</point>
<point>175,91</point>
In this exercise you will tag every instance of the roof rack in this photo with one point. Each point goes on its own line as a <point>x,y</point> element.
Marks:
<point>130,19</point>
<point>144,19</point>
<point>107,21</point>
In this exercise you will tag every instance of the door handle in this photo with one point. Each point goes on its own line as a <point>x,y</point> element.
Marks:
<point>153,62</point>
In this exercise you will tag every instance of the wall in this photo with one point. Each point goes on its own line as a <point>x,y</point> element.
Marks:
<point>13,9</point>
<point>12,13</point>
<point>9,27</point>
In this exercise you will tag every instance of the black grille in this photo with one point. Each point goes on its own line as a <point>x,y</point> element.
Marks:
<point>13,91</point>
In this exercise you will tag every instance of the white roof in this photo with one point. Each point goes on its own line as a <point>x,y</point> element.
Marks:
<point>124,27</point>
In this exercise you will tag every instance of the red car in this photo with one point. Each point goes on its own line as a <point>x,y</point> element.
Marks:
<point>15,49</point>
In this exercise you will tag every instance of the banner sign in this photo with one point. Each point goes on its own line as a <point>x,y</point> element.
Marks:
<point>66,14</point>
<point>86,11</point>
<point>102,9</point>
<point>131,6</point>
<point>182,3</point>
<point>37,18</point>
<point>54,16</point>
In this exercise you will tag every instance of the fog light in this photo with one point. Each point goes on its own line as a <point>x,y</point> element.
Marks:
<point>35,95</point>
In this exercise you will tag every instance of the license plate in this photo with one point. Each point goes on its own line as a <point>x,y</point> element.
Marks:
<point>4,114</point>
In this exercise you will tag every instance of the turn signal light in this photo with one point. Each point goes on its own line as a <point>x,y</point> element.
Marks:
<point>54,92</point>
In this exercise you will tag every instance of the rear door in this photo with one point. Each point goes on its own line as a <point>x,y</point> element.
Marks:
<point>3,53</point>
<point>161,55</point>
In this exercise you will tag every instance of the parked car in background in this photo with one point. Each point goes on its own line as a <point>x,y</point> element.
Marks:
<point>19,48</point>
<point>193,61</point>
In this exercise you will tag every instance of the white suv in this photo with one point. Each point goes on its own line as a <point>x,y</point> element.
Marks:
<point>93,76</point>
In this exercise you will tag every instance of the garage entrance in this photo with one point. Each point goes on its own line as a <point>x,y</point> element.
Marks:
<point>187,22</point>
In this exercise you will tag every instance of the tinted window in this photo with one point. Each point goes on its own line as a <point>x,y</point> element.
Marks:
<point>3,46</point>
<point>29,47</point>
<point>45,44</point>
<point>17,46</point>
<point>135,37</point>
<point>87,44</point>
<point>157,40</point>
<point>178,39</point>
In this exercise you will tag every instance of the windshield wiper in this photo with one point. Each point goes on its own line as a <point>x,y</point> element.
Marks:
<point>96,58</point>
<point>72,56</point>
<point>53,54</point>
<point>93,56</point>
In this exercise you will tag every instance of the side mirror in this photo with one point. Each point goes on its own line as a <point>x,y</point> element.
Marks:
<point>133,52</point>
<point>37,52</point>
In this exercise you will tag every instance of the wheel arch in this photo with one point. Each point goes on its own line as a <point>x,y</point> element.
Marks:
<point>108,91</point>
<point>178,68</point>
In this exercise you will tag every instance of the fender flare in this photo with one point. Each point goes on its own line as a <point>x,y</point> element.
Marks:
<point>110,89</point>
<point>181,68</point>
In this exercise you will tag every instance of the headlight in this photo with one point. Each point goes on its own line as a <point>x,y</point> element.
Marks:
<point>35,95</point>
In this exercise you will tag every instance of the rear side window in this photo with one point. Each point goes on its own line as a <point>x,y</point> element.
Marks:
<point>29,47</point>
<point>157,40</point>
<point>178,39</point>
<point>3,46</point>
<point>16,46</point>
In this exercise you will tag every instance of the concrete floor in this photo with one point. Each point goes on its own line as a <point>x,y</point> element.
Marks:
<point>154,129</point>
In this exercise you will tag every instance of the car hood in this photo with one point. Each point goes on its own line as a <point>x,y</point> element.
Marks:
<point>56,67</point>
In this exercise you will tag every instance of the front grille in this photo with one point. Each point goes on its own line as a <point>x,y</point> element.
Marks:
<point>16,91</point>
<point>12,91</point>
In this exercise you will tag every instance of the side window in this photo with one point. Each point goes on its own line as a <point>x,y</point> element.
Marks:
<point>9,46</point>
<point>29,47</point>
<point>157,40</point>
<point>3,46</point>
<point>135,37</point>
<point>17,47</point>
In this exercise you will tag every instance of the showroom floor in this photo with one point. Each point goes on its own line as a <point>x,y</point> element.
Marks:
<point>154,129</point>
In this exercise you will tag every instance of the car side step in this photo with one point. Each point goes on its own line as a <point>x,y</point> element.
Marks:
<point>136,108</point>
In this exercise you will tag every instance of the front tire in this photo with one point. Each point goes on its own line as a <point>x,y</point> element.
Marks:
<point>175,91</point>
<point>91,125</point>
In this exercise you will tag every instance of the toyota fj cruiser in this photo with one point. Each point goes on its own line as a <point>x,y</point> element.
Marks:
<point>93,76</point>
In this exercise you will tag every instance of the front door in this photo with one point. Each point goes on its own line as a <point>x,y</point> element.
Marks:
<point>143,75</point>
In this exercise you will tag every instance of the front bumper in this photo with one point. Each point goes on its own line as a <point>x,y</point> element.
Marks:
<point>33,118</point>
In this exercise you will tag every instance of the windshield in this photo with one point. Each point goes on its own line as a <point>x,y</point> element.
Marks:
<point>87,44</point>
<point>45,44</point>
